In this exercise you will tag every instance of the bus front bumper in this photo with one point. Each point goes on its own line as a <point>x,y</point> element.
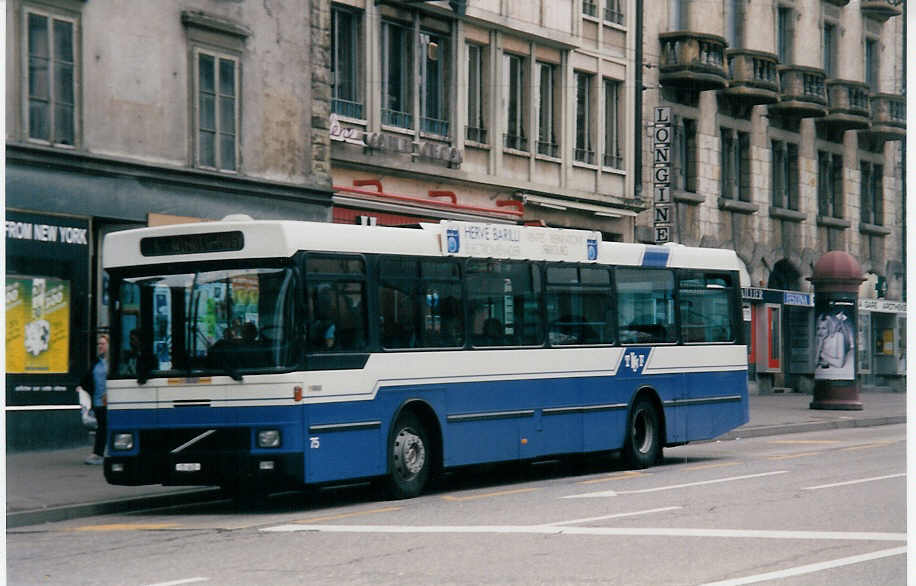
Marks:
<point>263,469</point>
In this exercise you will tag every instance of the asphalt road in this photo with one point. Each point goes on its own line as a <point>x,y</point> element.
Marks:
<point>815,508</point>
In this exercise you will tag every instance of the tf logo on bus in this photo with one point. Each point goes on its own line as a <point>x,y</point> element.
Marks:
<point>634,360</point>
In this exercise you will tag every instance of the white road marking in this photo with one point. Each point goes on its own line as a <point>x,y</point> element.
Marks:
<point>849,482</point>
<point>609,531</point>
<point>185,581</point>
<point>605,517</point>
<point>810,568</point>
<point>608,493</point>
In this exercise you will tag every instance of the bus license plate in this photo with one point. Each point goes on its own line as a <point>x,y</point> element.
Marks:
<point>187,467</point>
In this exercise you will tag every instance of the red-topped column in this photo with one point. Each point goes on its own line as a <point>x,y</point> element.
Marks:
<point>837,276</point>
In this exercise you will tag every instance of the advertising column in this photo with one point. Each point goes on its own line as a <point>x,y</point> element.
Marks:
<point>46,330</point>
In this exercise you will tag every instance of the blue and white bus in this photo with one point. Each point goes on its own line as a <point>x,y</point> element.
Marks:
<point>258,354</point>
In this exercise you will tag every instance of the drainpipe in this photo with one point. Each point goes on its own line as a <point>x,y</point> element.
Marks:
<point>637,101</point>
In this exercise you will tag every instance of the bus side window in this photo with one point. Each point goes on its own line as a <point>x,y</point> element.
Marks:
<point>336,299</point>
<point>706,304</point>
<point>645,306</point>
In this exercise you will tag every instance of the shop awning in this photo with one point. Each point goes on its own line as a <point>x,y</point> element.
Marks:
<point>569,204</point>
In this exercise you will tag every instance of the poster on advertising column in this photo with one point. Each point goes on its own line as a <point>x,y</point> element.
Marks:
<point>37,325</point>
<point>835,350</point>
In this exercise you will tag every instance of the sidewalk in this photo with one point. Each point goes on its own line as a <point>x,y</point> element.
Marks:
<point>42,487</point>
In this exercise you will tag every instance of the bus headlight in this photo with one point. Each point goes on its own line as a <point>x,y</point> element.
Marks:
<point>123,441</point>
<point>269,438</point>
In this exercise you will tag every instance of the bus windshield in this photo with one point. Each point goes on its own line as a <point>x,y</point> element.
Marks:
<point>228,321</point>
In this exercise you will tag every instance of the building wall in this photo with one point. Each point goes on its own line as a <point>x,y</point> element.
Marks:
<point>539,31</point>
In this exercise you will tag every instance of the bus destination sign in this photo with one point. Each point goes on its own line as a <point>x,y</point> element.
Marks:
<point>192,243</point>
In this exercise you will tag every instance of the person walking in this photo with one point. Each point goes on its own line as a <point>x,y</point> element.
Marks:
<point>94,382</point>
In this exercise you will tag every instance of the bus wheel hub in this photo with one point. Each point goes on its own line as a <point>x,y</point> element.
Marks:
<point>409,452</point>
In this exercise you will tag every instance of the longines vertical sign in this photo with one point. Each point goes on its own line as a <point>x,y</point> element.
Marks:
<point>661,175</point>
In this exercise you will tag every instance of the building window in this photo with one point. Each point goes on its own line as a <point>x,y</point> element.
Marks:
<point>397,75</point>
<point>677,14</point>
<point>829,184</point>
<point>736,164</point>
<point>735,23</point>
<point>589,8</point>
<point>345,63</point>
<point>613,124</point>
<point>434,69</point>
<point>784,34</point>
<point>585,152</point>
<point>872,193</point>
<point>785,175</point>
<point>871,65</point>
<point>516,103</point>
<point>477,126</point>
<point>685,155</point>
<point>547,118</point>
<point>217,111</point>
<point>51,112</point>
<point>830,50</point>
<point>613,11</point>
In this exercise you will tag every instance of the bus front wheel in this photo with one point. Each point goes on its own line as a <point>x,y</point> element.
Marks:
<point>642,446</point>
<point>409,457</point>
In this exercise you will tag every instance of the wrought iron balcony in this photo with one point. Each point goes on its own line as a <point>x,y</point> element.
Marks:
<point>395,118</point>
<point>881,9</point>
<point>888,117</point>
<point>347,108</point>
<point>847,105</point>
<point>802,92</point>
<point>692,61</point>
<point>837,2</point>
<point>753,76</point>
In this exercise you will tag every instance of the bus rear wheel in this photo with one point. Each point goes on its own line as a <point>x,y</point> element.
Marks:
<point>409,456</point>
<point>642,446</point>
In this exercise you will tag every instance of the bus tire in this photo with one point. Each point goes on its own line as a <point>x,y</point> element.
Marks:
<point>409,457</point>
<point>642,445</point>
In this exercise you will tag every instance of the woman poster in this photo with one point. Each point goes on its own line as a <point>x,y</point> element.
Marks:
<point>835,350</point>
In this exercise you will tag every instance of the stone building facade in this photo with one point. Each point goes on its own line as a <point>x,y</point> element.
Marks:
<point>787,120</point>
<point>121,115</point>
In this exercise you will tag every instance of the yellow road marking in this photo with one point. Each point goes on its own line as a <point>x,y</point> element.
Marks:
<point>869,446</point>
<point>348,515</point>
<point>472,497</point>
<point>818,442</point>
<point>128,527</point>
<point>614,476</point>
<point>707,466</point>
<point>791,456</point>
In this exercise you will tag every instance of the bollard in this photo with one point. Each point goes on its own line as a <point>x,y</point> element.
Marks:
<point>836,279</point>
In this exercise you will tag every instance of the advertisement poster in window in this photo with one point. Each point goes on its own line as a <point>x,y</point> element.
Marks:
<point>835,354</point>
<point>37,325</point>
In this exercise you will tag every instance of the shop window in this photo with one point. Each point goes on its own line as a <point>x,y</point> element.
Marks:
<point>346,96</point>
<point>52,73</point>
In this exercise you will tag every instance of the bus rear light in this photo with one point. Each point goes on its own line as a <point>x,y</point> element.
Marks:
<point>297,393</point>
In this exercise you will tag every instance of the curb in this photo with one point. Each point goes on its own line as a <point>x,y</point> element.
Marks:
<point>77,511</point>
<point>812,426</point>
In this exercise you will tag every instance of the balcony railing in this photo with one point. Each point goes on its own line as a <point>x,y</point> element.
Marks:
<point>612,15</point>
<point>515,141</point>
<point>585,156</point>
<point>881,9</point>
<point>589,8</point>
<point>613,161</point>
<point>347,108</point>
<point>550,149</point>
<point>802,92</point>
<point>474,134</point>
<point>395,118</point>
<point>434,126</point>
<point>888,116</point>
<point>753,76</point>
<point>847,105</point>
<point>692,61</point>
